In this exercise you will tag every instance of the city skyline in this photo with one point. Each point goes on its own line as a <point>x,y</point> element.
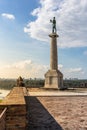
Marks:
<point>24,40</point>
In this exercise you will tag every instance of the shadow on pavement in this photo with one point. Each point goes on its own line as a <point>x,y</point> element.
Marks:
<point>38,116</point>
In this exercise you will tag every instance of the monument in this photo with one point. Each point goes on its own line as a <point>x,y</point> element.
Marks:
<point>53,77</point>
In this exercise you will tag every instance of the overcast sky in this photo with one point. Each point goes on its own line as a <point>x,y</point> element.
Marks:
<point>24,40</point>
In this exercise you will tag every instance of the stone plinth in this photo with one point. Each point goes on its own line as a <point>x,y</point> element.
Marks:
<point>54,79</point>
<point>51,79</point>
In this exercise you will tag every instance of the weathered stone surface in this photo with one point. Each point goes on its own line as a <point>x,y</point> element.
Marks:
<point>57,113</point>
<point>2,119</point>
<point>16,109</point>
<point>69,112</point>
<point>16,96</point>
<point>53,52</point>
<point>53,77</point>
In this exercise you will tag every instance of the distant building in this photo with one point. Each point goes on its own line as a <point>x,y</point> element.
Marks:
<point>83,85</point>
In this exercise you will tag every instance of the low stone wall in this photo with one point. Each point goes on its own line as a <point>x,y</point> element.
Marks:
<point>16,109</point>
<point>2,119</point>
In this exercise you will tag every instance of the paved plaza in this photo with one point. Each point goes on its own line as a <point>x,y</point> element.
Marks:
<point>57,110</point>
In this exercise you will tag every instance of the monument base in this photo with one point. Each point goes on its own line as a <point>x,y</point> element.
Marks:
<point>54,79</point>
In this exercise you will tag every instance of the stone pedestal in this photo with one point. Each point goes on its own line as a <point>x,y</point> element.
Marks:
<point>53,78</point>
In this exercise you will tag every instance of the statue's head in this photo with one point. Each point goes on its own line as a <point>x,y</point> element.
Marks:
<point>53,17</point>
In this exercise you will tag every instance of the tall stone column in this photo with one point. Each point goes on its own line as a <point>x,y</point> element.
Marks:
<point>51,77</point>
<point>53,52</point>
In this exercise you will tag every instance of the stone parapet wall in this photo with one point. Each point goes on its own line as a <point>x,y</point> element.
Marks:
<point>16,117</point>
<point>16,109</point>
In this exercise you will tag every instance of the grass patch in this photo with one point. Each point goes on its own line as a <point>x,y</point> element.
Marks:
<point>0,100</point>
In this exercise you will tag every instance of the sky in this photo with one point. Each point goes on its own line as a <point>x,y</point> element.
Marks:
<point>24,40</point>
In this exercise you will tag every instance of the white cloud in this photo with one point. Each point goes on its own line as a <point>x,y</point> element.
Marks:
<point>25,68</point>
<point>71,16</point>
<point>73,70</point>
<point>73,73</point>
<point>30,69</point>
<point>19,65</point>
<point>8,16</point>
<point>60,66</point>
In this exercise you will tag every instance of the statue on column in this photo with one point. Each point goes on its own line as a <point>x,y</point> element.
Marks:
<point>53,25</point>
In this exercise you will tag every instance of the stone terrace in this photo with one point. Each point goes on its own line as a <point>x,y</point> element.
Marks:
<point>56,112</point>
<point>46,110</point>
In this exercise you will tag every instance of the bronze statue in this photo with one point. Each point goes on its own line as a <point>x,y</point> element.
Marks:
<point>20,82</point>
<point>53,25</point>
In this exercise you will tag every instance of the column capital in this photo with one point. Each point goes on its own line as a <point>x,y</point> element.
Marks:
<point>53,35</point>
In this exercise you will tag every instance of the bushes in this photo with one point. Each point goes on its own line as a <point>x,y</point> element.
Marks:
<point>7,83</point>
<point>34,82</point>
<point>74,83</point>
<point>10,83</point>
